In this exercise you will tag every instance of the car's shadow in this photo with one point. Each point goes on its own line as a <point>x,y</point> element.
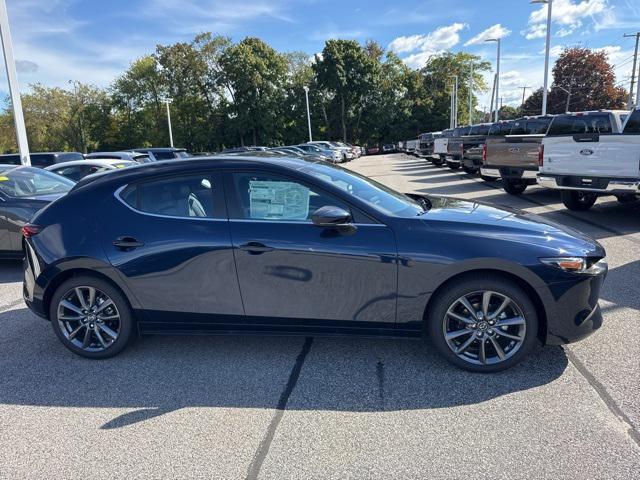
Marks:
<point>10,271</point>
<point>619,285</point>
<point>157,375</point>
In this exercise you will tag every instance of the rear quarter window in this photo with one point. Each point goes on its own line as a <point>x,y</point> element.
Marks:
<point>580,124</point>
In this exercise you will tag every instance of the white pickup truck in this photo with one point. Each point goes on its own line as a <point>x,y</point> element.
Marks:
<point>589,154</point>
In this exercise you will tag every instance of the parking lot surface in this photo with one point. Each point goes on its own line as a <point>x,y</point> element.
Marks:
<point>282,407</point>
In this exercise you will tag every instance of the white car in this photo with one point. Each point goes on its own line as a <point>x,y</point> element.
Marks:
<point>346,152</point>
<point>588,154</point>
<point>78,169</point>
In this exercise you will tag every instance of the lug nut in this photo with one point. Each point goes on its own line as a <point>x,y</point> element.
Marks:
<point>490,332</point>
<point>479,334</point>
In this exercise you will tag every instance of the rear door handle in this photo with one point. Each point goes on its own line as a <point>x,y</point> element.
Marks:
<point>255,248</point>
<point>127,243</point>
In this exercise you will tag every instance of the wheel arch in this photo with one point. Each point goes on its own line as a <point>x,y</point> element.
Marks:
<point>529,289</point>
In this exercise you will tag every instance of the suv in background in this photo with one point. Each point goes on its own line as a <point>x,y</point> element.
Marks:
<point>426,143</point>
<point>42,159</point>
<point>514,157</point>
<point>589,154</point>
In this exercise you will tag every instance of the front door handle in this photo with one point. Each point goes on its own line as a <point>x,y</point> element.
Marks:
<point>255,248</point>
<point>127,243</point>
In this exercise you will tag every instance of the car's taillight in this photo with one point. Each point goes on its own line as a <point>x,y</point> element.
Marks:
<point>29,230</point>
<point>540,155</point>
<point>484,153</point>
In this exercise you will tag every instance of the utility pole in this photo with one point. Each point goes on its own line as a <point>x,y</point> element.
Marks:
<point>524,89</point>
<point>497,40</point>
<point>306,95</point>
<point>633,71</point>
<point>455,103</point>
<point>471,95</point>
<point>14,89</point>
<point>167,101</point>
<point>493,94</point>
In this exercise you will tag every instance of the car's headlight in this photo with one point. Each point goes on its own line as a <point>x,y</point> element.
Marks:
<point>586,265</point>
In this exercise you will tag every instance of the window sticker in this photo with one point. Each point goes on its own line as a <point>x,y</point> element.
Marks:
<point>271,200</point>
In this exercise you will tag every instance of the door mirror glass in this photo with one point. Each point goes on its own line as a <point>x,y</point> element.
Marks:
<point>329,216</point>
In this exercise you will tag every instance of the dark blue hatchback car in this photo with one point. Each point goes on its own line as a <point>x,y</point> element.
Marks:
<point>282,245</point>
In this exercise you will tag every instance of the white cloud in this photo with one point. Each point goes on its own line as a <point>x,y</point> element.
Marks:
<point>496,31</point>
<point>569,14</point>
<point>424,46</point>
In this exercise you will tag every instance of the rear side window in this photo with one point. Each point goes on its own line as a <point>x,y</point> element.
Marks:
<point>42,160</point>
<point>480,130</point>
<point>187,196</point>
<point>537,126</point>
<point>578,124</point>
<point>518,127</point>
<point>633,124</point>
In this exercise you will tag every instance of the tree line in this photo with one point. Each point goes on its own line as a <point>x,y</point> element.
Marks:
<point>226,94</point>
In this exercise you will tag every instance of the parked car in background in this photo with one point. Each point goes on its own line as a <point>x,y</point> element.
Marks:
<point>79,169</point>
<point>333,155</point>
<point>446,147</point>
<point>514,157</point>
<point>126,156</point>
<point>345,152</point>
<point>426,143</point>
<point>374,150</point>
<point>588,154</point>
<point>41,159</point>
<point>296,152</point>
<point>167,153</point>
<point>455,147</point>
<point>412,147</point>
<point>293,239</point>
<point>389,148</point>
<point>24,191</point>
<point>473,147</point>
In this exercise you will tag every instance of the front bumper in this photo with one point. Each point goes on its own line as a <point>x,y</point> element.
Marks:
<point>591,184</point>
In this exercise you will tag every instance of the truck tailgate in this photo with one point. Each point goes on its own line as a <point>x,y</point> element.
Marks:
<point>611,155</point>
<point>514,151</point>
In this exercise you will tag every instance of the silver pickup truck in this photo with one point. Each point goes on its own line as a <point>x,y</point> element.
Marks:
<point>588,154</point>
<point>514,157</point>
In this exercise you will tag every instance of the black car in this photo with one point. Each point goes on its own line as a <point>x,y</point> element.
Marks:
<point>41,159</point>
<point>164,153</point>
<point>270,244</point>
<point>24,191</point>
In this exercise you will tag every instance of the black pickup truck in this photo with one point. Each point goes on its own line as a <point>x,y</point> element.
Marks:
<point>473,146</point>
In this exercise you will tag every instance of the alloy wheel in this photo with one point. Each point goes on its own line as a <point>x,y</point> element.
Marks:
<point>88,318</point>
<point>484,327</point>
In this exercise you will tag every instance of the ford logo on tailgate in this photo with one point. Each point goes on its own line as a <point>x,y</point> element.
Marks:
<point>586,151</point>
<point>514,150</point>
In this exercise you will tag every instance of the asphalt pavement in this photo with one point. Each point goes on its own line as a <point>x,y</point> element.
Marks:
<point>296,408</point>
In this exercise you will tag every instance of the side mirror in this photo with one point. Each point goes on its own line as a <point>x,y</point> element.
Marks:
<point>331,217</point>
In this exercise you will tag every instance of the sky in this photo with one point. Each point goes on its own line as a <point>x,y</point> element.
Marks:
<point>94,41</point>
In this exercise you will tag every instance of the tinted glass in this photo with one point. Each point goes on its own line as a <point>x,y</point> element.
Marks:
<point>75,173</point>
<point>69,157</point>
<point>480,130</point>
<point>33,182</point>
<point>188,196</point>
<point>518,127</point>
<point>261,196</point>
<point>163,155</point>
<point>538,126</point>
<point>577,124</point>
<point>465,131</point>
<point>10,159</point>
<point>633,124</point>
<point>181,154</point>
<point>381,198</point>
<point>42,159</point>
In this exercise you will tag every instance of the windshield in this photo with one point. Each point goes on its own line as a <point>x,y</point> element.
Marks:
<point>32,182</point>
<point>383,199</point>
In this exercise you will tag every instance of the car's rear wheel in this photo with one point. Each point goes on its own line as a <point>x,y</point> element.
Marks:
<point>91,317</point>
<point>577,200</point>
<point>513,187</point>
<point>453,165</point>
<point>469,170</point>
<point>437,161</point>
<point>483,323</point>
<point>627,198</point>
<point>488,179</point>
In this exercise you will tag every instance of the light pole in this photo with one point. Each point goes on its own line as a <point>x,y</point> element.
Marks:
<point>306,96</point>
<point>14,90</point>
<point>497,40</point>
<point>546,53</point>
<point>568,92</point>
<point>167,101</point>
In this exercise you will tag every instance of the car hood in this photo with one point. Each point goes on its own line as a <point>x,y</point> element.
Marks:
<point>507,224</point>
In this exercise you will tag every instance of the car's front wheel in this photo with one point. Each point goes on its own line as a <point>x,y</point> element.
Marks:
<point>91,317</point>
<point>483,323</point>
<point>513,187</point>
<point>577,200</point>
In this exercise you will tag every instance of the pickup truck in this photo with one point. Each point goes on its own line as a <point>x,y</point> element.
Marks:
<point>426,143</point>
<point>455,147</point>
<point>589,154</point>
<point>514,157</point>
<point>441,147</point>
<point>473,147</point>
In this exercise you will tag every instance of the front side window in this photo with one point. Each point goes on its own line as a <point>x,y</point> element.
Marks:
<point>187,196</point>
<point>33,182</point>
<point>538,126</point>
<point>264,196</point>
<point>74,173</point>
<point>633,124</point>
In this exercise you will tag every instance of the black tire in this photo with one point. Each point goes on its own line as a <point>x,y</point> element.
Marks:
<point>453,165</point>
<point>513,187</point>
<point>437,161</point>
<point>488,179</point>
<point>470,170</point>
<point>577,200</point>
<point>127,326</point>
<point>626,198</point>
<point>437,316</point>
